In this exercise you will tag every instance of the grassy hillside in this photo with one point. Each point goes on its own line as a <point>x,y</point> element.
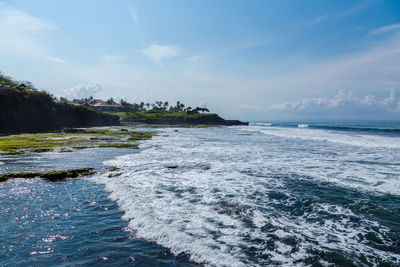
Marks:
<point>25,109</point>
<point>167,117</point>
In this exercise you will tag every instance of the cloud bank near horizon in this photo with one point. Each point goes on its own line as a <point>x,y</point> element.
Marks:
<point>343,105</point>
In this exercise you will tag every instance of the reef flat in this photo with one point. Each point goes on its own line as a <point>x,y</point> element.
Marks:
<point>72,139</point>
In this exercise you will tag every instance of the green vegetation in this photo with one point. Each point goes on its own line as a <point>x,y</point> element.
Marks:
<point>124,145</point>
<point>23,108</point>
<point>71,140</point>
<point>176,118</point>
<point>49,175</point>
<point>123,106</point>
<point>166,117</point>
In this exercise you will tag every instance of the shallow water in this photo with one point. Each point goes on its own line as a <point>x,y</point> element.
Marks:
<point>69,223</point>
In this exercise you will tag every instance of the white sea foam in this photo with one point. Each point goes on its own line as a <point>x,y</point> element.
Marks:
<point>263,123</point>
<point>353,139</point>
<point>215,204</point>
<point>302,126</point>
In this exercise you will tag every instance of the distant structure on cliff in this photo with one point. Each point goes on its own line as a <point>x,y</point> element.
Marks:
<point>123,106</point>
<point>100,105</point>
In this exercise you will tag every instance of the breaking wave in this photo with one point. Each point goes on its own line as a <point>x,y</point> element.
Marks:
<point>228,199</point>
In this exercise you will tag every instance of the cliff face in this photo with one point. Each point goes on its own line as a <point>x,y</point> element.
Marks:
<point>213,119</point>
<point>80,116</point>
<point>175,118</point>
<point>25,110</point>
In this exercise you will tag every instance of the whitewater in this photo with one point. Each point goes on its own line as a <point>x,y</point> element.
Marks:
<point>264,195</point>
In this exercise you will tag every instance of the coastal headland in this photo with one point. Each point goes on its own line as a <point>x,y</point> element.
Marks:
<point>34,121</point>
<point>25,109</point>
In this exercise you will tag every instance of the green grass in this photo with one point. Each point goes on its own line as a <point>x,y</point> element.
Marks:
<point>68,142</point>
<point>154,116</point>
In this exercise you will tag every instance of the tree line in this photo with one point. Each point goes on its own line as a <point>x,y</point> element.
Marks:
<point>8,82</point>
<point>142,106</point>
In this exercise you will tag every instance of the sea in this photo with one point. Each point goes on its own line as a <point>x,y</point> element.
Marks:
<point>267,194</point>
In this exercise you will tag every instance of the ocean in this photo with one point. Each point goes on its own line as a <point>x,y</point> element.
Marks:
<point>271,193</point>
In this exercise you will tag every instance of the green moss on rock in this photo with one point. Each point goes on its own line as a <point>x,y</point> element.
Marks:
<point>73,139</point>
<point>123,145</point>
<point>50,175</point>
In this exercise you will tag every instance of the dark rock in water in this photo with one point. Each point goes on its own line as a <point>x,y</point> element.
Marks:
<point>235,122</point>
<point>124,130</point>
<point>175,130</point>
<point>172,166</point>
<point>234,209</point>
<point>205,167</point>
<point>50,176</point>
<point>114,174</point>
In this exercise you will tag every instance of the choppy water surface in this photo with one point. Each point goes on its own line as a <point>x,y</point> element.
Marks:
<point>265,195</point>
<point>69,223</point>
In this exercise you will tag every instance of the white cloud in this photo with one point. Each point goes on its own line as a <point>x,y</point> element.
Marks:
<point>83,90</point>
<point>385,29</point>
<point>111,58</point>
<point>19,20</point>
<point>318,20</point>
<point>134,17</point>
<point>194,58</point>
<point>358,8</point>
<point>20,32</point>
<point>370,69</point>
<point>158,53</point>
<point>343,105</point>
<point>55,59</point>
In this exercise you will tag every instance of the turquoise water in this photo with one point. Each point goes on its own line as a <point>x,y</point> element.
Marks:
<point>287,194</point>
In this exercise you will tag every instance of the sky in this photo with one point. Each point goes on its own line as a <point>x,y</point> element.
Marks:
<point>255,60</point>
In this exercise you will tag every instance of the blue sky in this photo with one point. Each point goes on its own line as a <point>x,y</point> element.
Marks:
<point>253,60</point>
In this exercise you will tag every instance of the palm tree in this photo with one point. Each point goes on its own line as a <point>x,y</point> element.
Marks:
<point>110,101</point>
<point>178,106</point>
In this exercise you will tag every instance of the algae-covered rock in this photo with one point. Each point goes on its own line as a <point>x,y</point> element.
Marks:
<point>119,145</point>
<point>71,140</point>
<point>50,175</point>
